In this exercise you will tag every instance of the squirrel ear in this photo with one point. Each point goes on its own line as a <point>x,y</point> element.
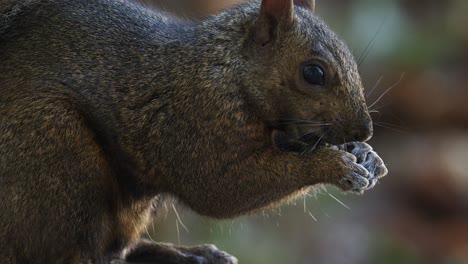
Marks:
<point>273,14</point>
<point>310,4</point>
<point>277,9</point>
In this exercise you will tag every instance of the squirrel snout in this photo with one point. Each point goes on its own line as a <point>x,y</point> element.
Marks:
<point>362,132</point>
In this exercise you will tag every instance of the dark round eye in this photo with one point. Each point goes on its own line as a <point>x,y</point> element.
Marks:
<point>314,74</point>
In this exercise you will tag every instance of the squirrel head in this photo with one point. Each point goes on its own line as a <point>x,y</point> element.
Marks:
<point>304,79</point>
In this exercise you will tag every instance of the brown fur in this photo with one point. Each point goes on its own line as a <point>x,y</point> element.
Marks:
<point>106,108</point>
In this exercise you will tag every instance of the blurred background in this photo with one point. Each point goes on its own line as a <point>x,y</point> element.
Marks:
<point>415,69</point>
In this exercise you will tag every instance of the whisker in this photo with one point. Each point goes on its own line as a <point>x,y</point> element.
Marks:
<point>382,106</point>
<point>148,234</point>
<point>375,86</point>
<point>178,218</point>
<point>391,125</point>
<point>371,43</point>
<point>178,231</point>
<point>295,120</point>
<point>338,200</point>
<point>388,90</point>
<point>391,128</point>
<point>305,134</point>
<point>311,215</point>
<point>314,125</point>
<point>308,151</point>
<point>397,118</point>
<point>301,123</point>
<point>305,206</point>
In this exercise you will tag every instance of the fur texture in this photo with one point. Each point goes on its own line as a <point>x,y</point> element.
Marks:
<point>107,107</point>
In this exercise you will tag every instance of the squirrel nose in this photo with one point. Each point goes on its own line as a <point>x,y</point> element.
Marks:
<point>362,132</point>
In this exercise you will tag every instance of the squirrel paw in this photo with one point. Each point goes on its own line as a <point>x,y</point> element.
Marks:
<point>356,179</point>
<point>367,158</point>
<point>210,254</point>
<point>165,253</point>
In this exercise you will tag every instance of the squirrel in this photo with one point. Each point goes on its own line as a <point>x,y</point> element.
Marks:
<point>107,108</point>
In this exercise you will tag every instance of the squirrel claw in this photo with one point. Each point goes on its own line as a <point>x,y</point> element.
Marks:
<point>370,160</point>
<point>358,178</point>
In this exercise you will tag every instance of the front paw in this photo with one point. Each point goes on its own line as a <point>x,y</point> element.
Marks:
<point>369,159</point>
<point>165,253</point>
<point>355,177</point>
<point>210,254</point>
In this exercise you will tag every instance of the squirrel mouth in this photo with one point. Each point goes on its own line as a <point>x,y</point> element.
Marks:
<point>282,140</point>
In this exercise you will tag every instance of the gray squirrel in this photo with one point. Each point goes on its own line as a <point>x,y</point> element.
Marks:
<point>107,108</point>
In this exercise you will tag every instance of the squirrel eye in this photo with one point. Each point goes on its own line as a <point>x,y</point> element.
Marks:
<point>314,74</point>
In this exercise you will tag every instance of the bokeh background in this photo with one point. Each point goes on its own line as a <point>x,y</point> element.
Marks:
<point>415,70</point>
